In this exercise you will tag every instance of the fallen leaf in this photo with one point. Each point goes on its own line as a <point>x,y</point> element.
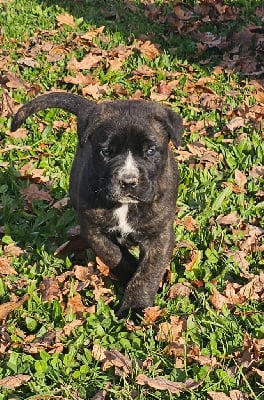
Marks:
<point>50,289</point>
<point>12,382</point>
<point>102,267</point>
<point>7,308</point>
<point>61,203</point>
<point>95,90</point>
<point>148,49</point>
<point>5,339</point>
<point>235,123</point>
<point>92,33</point>
<point>75,244</point>
<point>190,224</point>
<point>161,383</point>
<point>218,300</point>
<point>75,305</point>
<point>20,133</point>
<point>5,267</point>
<point>112,358</point>
<point>101,395</point>
<point>171,331</point>
<point>79,79</point>
<point>257,171</point>
<point>65,19</point>
<point>218,395</point>
<point>195,257</point>
<point>32,193</point>
<point>28,62</point>
<point>240,178</point>
<point>229,219</point>
<point>260,374</point>
<point>179,289</point>
<point>89,61</point>
<point>151,314</point>
<point>81,272</point>
<point>11,250</point>
<point>68,328</point>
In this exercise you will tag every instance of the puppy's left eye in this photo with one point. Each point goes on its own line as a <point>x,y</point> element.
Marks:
<point>150,151</point>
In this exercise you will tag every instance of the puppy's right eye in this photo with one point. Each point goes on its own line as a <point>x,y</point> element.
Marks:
<point>105,153</point>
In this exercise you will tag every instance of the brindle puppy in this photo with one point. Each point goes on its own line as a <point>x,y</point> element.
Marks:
<point>123,184</point>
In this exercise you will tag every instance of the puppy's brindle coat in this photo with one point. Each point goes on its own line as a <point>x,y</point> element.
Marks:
<point>123,184</point>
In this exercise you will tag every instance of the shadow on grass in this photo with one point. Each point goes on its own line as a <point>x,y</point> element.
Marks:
<point>135,20</point>
<point>180,30</point>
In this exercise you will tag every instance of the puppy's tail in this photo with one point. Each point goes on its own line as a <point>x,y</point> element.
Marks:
<point>67,101</point>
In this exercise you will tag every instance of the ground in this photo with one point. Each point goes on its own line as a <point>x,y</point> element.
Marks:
<point>204,338</point>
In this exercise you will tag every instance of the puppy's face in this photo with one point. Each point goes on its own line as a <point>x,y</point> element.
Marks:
<point>129,159</point>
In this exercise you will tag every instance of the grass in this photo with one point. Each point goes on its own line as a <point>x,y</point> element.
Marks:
<point>34,337</point>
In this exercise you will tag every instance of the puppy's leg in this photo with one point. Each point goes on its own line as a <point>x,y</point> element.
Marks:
<point>116,257</point>
<point>141,290</point>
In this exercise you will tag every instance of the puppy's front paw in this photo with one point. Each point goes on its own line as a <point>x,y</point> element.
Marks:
<point>133,314</point>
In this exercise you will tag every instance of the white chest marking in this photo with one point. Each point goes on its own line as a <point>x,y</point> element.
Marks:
<point>121,217</point>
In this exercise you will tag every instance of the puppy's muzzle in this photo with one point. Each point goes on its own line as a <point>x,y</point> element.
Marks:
<point>128,182</point>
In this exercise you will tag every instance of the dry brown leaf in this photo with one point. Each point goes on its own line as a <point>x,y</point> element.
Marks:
<point>240,178</point>
<point>12,382</point>
<point>218,300</point>
<point>195,256</point>
<point>5,339</point>
<point>28,62</point>
<point>82,273</point>
<point>92,33</point>
<point>50,289</point>
<point>254,289</point>
<point>257,171</point>
<point>229,219</point>
<point>95,90</point>
<point>61,203</point>
<point>161,383</point>
<point>32,192</point>
<point>190,224</point>
<point>65,19</point>
<point>179,289</point>
<point>11,250</point>
<point>148,49</point>
<point>75,305</point>
<point>151,314</point>
<point>240,258</point>
<point>171,331</point>
<point>7,308</point>
<point>260,374</point>
<point>79,79</point>
<point>218,396</point>
<point>103,293</point>
<point>235,123</point>
<point>89,61</point>
<point>14,81</point>
<point>68,328</point>
<point>102,267</point>
<point>20,133</point>
<point>5,267</point>
<point>112,358</point>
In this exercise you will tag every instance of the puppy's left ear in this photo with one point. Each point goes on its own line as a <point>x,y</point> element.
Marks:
<point>172,123</point>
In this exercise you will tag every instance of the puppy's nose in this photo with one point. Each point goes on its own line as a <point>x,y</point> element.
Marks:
<point>128,181</point>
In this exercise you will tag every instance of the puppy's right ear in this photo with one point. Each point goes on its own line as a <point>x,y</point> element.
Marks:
<point>84,110</point>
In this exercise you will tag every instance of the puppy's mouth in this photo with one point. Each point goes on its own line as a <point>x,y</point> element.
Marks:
<point>128,199</point>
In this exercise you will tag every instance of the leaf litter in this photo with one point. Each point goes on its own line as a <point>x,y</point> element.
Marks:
<point>237,55</point>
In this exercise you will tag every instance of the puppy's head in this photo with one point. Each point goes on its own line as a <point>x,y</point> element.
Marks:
<point>128,141</point>
<point>130,148</point>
